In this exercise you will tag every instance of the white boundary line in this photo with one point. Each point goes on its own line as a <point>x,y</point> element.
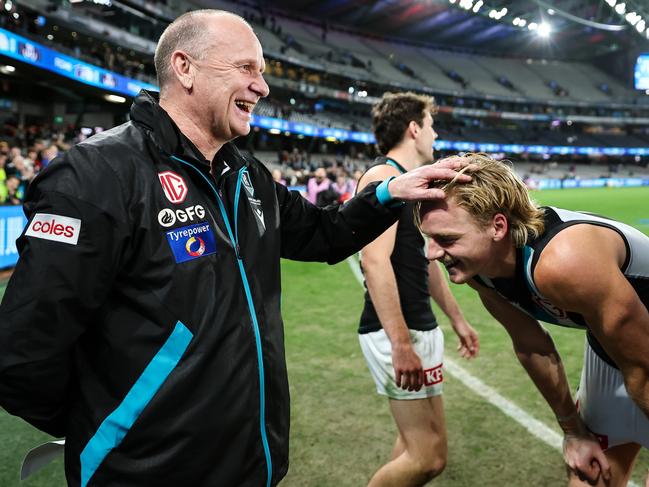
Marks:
<point>531,424</point>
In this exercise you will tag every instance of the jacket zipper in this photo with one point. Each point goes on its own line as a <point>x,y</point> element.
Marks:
<point>234,240</point>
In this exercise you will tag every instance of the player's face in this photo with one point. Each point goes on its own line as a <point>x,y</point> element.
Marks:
<point>229,80</point>
<point>426,138</point>
<point>459,241</point>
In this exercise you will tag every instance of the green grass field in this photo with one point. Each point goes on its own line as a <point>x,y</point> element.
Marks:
<point>342,431</point>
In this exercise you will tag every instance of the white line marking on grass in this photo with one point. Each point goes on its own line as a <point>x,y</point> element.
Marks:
<point>531,424</point>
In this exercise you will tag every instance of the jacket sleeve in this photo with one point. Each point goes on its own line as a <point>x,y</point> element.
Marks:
<point>332,233</point>
<point>60,282</point>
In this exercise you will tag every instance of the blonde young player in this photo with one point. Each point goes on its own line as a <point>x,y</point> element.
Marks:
<point>563,267</point>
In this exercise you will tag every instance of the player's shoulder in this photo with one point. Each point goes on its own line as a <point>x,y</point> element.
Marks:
<point>576,256</point>
<point>377,172</point>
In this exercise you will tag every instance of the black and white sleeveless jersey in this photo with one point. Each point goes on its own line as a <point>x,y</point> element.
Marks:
<point>521,291</point>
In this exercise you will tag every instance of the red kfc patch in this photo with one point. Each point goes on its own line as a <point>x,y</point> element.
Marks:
<point>433,376</point>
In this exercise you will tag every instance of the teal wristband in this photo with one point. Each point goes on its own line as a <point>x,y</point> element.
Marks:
<point>383,194</point>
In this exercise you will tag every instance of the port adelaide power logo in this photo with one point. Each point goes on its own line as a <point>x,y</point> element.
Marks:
<point>255,203</point>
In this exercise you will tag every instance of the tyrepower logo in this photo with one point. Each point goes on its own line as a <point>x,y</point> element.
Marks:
<point>167,217</point>
<point>433,376</point>
<point>55,227</point>
<point>174,186</point>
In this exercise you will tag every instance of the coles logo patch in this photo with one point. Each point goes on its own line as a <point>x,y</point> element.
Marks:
<point>55,227</point>
<point>174,186</point>
<point>191,242</point>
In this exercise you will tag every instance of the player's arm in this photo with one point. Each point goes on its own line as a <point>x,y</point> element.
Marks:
<point>585,278</point>
<point>441,294</point>
<point>535,350</point>
<point>382,287</point>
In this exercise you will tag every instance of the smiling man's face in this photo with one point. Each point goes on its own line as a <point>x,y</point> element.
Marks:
<point>465,246</point>
<point>229,78</point>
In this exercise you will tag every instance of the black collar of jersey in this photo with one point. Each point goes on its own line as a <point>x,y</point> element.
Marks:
<point>147,113</point>
<point>393,163</point>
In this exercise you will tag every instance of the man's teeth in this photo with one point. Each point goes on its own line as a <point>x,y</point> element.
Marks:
<point>245,106</point>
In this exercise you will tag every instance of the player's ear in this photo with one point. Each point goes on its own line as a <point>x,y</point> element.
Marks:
<point>499,226</point>
<point>413,129</point>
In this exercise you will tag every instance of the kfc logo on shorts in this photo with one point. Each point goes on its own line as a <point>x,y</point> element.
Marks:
<point>55,227</point>
<point>174,186</point>
<point>433,376</point>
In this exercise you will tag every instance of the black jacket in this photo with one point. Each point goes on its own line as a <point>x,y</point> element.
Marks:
<point>142,321</point>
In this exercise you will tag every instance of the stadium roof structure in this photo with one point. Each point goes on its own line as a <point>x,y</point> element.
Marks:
<point>578,29</point>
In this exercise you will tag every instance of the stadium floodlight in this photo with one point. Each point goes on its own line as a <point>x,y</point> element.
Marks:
<point>516,21</point>
<point>8,5</point>
<point>9,68</point>
<point>544,29</point>
<point>611,2</point>
<point>115,98</point>
<point>632,18</point>
<point>478,5</point>
<point>620,8</point>
<point>523,23</point>
<point>492,14</point>
<point>533,26</point>
<point>640,26</point>
<point>451,1</point>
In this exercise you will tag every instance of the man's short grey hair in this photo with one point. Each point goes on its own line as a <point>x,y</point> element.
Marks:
<point>187,33</point>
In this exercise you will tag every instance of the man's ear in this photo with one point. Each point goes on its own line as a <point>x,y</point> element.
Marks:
<point>499,226</point>
<point>183,69</point>
<point>413,129</point>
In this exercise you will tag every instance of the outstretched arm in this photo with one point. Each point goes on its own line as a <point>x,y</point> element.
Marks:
<point>535,350</point>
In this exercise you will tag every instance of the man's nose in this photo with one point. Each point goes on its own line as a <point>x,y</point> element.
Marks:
<point>434,250</point>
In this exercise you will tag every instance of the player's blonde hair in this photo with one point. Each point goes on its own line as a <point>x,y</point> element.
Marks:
<point>494,188</point>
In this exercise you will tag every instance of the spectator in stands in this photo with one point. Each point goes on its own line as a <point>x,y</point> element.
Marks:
<point>278,178</point>
<point>3,179</point>
<point>15,190</point>
<point>318,183</point>
<point>143,319</point>
<point>343,187</point>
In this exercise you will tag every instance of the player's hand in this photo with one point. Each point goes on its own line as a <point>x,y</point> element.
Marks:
<point>468,344</point>
<point>414,185</point>
<point>585,458</point>
<point>408,371</point>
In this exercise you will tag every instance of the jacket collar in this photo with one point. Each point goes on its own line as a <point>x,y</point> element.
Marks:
<point>160,127</point>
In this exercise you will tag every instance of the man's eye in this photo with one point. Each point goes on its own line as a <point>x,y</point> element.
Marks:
<point>445,241</point>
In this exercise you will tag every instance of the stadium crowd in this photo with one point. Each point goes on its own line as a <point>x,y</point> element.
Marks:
<point>24,152</point>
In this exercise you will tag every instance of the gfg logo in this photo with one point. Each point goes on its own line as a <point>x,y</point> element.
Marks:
<point>167,217</point>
